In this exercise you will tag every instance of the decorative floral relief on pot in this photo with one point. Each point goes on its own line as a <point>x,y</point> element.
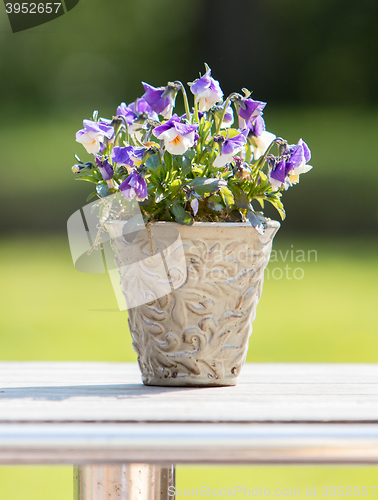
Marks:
<point>192,293</point>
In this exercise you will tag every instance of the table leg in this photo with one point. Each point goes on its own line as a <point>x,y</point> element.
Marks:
<point>124,482</point>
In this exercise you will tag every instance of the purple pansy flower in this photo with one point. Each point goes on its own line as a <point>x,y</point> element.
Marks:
<point>122,155</point>
<point>135,113</point>
<point>93,135</point>
<point>278,174</point>
<point>228,118</point>
<point>178,137</point>
<point>137,155</point>
<point>250,109</point>
<point>300,154</point>
<point>105,168</point>
<point>260,139</point>
<point>229,149</point>
<point>288,169</point>
<point>123,110</point>
<point>134,185</point>
<point>128,155</point>
<point>207,91</point>
<point>160,99</point>
<point>256,126</point>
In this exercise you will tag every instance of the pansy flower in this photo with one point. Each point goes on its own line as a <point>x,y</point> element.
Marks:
<point>207,91</point>
<point>134,186</point>
<point>160,99</point>
<point>228,118</point>
<point>128,155</point>
<point>77,168</point>
<point>178,137</point>
<point>249,109</point>
<point>277,176</point>
<point>93,135</point>
<point>135,113</point>
<point>230,148</point>
<point>288,169</point>
<point>300,154</point>
<point>260,139</point>
<point>105,168</point>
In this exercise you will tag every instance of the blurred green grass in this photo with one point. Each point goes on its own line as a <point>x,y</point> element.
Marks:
<point>52,312</point>
<point>55,483</point>
<point>273,478</point>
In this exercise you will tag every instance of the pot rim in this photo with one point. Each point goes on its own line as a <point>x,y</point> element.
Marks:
<point>270,223</point>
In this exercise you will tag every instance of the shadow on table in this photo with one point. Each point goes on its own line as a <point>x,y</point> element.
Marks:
<point>118,391</point>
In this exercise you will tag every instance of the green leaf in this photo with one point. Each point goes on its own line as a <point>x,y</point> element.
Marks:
<point>260,199</point>
<point>263,177</point>
<point>175,186</point>
<point>280,208</point>
<point>153,162</point>
<point>186,166</point>
<point>88,178</point>
<point>248,152</point>
<point>97,175</point>
<point>275,199</point>
<point>227,196</point>
<point>236,215</point>
<point>181,216</point>
<point>160,194</point>
<point>258,221</point>
<point>92,195</point>
<point>168,160</point>
<point>242,200</point>
<point>230,133</point>
<point>205,130</point>
<point>197,169</point>
<point>190,154</point>
<point>215,203</point>
<point>204,186</point>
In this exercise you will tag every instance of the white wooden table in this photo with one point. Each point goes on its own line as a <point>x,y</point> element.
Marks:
<point>100,417</point>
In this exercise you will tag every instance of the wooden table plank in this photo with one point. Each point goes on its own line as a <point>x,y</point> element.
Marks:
<point>91,392</point>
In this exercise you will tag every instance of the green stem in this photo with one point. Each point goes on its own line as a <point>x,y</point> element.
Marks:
<point>259,165</point>
<point>186,103</point>
<point>219,126</point>
<point>223,113</point>
<point>262,160</point>
<point>127,135</point>
<point>195,116</point>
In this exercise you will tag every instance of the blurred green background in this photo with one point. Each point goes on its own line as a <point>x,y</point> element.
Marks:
<point>314,63</point>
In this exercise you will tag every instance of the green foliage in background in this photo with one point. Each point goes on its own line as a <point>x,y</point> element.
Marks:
<point>310,52</point>
<point>53,312</point>
<point>55,483</point>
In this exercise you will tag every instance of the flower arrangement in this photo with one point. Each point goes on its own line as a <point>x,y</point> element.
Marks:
<point>194,167</point>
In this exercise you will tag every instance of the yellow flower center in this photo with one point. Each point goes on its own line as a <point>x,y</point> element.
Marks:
<point>176,140</point>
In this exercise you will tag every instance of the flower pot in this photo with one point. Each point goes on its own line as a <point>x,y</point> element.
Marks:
<point>192,293</point>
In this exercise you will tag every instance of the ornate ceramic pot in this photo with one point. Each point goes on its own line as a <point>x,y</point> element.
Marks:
<point>192,293</point>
